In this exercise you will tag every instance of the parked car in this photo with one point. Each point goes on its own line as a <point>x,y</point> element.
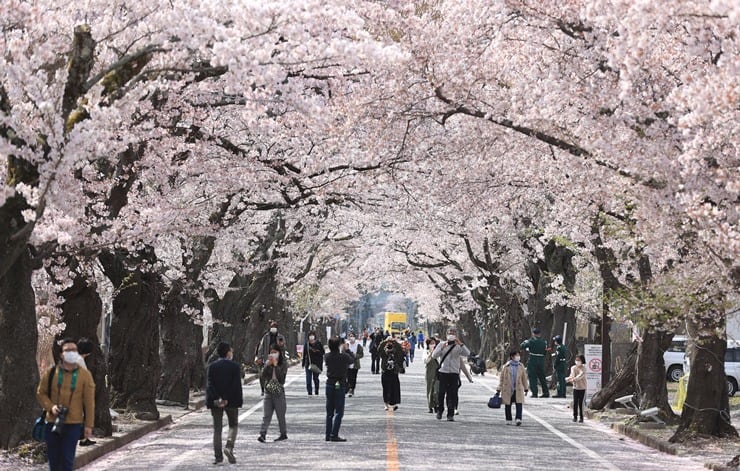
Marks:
<point>732,368</point>
<point>673,358</point>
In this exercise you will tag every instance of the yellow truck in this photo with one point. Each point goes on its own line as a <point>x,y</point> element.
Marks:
<point>395,322</point>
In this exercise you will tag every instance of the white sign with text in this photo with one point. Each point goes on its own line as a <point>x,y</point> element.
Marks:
<point>593,369</point>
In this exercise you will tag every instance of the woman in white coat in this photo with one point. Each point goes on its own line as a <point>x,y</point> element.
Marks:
<point>513,386</point>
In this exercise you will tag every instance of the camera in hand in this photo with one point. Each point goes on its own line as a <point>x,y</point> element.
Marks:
<point>58,427</point>
<point>450,342</point>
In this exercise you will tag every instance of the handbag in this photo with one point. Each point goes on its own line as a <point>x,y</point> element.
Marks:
<point>273,387</point>
<point>495,402</point>
<point>313,367</point>
<point>39,426</point>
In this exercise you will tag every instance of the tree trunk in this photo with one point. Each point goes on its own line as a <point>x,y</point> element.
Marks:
<point>134,337</point>
<point>81,312</point>
<point>706,409</point>
<point>622,384</point>
<point>19,374</point>
<point>181,349</point>
<point>651,375</point>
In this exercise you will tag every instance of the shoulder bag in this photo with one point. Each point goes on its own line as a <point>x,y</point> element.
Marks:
<point>273,387</point>
<point>39,425</point>
<point>437,374</point>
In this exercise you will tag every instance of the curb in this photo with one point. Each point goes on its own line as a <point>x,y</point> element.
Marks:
<point>652,442</point>
<point>104,448</point>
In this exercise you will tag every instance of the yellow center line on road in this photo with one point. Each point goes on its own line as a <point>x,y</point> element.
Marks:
<point>391,445</point>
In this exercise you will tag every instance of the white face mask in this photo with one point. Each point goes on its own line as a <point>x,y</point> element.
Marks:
<point>71,357</point>
<point>517,358</point>
<point>578,363</point>
<point>311,338</point>
<point>432,346</point>
<point>273,330</point>
<point>274,356</point>
<point>351,340</point>
<point>451,337</point>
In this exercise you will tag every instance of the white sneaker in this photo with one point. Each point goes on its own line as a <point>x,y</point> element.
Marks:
<point>518,422</point>
<point>508,422</point>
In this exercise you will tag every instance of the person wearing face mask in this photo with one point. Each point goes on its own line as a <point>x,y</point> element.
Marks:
<point>432,365</point>
<point>271,337</point>
<point>224,396</point>
<point>513,386</point>
<point>355,348</point>
<point>578,378</point>
<point>313,362</point>
<point>66,392</point>
<point>449,354</point>
<point>391,364</point>
<point>275,370</point>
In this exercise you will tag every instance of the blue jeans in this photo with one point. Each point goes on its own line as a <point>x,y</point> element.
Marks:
<point>61,448</point>
<point>311,376</point>
<point>334,409</point>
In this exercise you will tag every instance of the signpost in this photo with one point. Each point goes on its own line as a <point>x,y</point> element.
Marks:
<point>593,369</point>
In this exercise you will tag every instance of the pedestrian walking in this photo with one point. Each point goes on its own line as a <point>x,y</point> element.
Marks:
<point>431,365</point>
<point>375,339</point>
<point>224,395</point>
<point>578,378</point>
<point>412,346</point>
<point>273,375</point>
<point>537,347</point>
<point>513,386</point>
<point>560,358</point>
<point>406,346</point>
<point>391,363</point>
<point>449,354</point>
<point>420,340</point>
<point>337,364</point>
<point>67,394</point>
<point>357,352</point>
<point>313,362</point>
<point>271,337</point>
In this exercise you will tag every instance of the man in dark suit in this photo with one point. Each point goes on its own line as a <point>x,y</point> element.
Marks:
<point>224,394</point>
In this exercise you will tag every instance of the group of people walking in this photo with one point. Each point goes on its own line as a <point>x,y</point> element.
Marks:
<point>67,390</point>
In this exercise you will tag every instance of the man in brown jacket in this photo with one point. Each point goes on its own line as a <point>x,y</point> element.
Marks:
<point>67,394</point>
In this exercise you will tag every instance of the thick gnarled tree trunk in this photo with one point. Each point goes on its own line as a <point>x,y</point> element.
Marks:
<point>81,311</point>
<point>651,376</point>
<point>181,350</point>
<point>19,374</point>
<point>133,360</point>
<point>706,409</point>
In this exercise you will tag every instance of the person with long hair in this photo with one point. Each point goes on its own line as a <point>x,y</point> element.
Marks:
<point>273,377</point>
<point>578,378</point>
<point>391,363</point>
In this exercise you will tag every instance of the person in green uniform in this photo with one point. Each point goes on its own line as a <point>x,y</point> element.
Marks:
<point>560,359</point>
<point>536,346</point>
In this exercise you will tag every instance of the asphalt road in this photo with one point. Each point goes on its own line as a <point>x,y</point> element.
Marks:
<point>407,439</point>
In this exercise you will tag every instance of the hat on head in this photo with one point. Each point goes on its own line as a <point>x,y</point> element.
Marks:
<point>536,330</point>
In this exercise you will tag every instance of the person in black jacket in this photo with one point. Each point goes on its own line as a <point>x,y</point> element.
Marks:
<point>313,354</point>
<point>337,364</point>
<point>224,394</point>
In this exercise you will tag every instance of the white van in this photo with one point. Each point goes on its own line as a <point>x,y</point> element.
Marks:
<point>673,358</point>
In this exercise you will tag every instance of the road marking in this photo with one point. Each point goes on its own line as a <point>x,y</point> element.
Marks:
<point>565,438</point>
<point>174,463</point>
<point>391,445</point>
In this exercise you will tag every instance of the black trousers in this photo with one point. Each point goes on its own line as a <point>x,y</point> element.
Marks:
<point>375,365</point>
<point>578,396</point>
<point>448,384</point>
<point>352,378</point>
